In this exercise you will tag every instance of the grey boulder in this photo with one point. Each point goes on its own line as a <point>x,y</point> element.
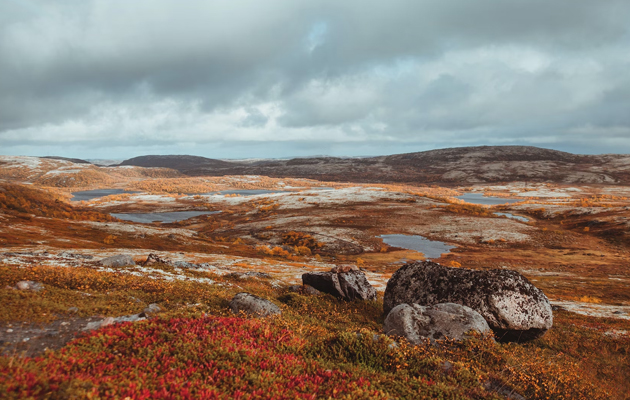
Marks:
<point>515,309</point>
<point>348,285</point>
<point>119,260</point>
<point>437,322</point>
<point>253,306</point>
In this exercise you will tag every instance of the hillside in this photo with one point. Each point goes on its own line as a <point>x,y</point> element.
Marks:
<point>444,166</point>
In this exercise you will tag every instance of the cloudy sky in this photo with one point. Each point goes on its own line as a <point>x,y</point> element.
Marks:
<point>278,78</point>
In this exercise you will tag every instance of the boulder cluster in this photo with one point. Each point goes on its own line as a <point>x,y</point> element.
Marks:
<point>425,300</point>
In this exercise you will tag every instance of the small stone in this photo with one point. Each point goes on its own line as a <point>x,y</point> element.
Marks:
<point>107,321</point>
<point>73,310</point>
<point>9,330</point>
<point>253,305</point>
<point>26,339</point>
<point>152,309</point>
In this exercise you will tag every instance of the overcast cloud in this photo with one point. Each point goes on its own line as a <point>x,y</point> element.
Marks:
<point>277,78</point>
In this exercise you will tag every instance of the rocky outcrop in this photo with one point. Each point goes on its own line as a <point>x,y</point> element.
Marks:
<point>437,322</point>
<point>347,284</point>
<point>515,309</point>
<point>253,306</point>
<point>119,260</point>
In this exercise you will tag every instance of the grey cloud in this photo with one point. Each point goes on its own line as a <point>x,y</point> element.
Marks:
<point>401,72</point>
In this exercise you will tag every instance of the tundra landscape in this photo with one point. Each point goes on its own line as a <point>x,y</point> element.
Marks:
<point>278,200</point>
<point>187,277</point>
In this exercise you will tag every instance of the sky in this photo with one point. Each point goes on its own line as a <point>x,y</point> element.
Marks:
<point>279,78</point>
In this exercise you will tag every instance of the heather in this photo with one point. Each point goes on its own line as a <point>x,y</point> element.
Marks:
<point>320,347</point>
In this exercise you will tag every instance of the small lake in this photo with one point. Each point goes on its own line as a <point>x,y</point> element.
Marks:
<point>87,195</point>
<point>165,217</point>
<point>517,217</point>
<point>430,248</point>
<point>479,198</point>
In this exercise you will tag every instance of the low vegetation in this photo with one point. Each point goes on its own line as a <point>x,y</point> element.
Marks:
<point>319,348</point>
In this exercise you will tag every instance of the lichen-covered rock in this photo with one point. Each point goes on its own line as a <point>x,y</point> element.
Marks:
<point>348,285</point>
<point>515,309</point>
<point>119,260</point>
<point>253,305</point>
<point>437,322</point>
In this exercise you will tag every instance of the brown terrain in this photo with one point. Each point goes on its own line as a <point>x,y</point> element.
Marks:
<point>574,244</point>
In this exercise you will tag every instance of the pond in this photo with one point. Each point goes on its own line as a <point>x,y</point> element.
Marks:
<point>478,198</point>
<point>430,248</point>
<point>87,195</point>
<point>165,217</point>
<point>516,217</point>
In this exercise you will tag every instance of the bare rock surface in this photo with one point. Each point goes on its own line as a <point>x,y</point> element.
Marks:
<point>515,309</point>
<point>119,260</point>
<point>437,322</point>
<point>253,305</point>
<point>347,284</point>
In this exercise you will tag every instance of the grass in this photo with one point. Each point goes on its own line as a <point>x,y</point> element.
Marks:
<point>319,348</point>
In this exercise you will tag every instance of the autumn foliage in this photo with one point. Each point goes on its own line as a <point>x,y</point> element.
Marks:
<point>21,201</point>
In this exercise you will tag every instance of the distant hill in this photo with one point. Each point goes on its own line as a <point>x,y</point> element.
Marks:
<point>181,163</point>
<point>74,160</point>
<point>461,165</point>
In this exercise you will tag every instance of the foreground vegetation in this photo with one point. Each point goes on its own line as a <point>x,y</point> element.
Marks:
<point>319,348</point>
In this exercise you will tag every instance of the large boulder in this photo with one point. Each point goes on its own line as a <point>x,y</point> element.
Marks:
<point>253,306</point>
<point>515,309</point>
<point>348,285</point>
<point>437,322</point>
<point>119,260</point>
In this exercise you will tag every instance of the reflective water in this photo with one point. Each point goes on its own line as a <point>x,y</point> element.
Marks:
<point>86,195</point>
<point>430,248</point>
<point>517,217</point>
<point>165,217</point>
<point>478,198</point>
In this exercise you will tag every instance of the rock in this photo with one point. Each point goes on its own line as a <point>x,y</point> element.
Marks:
<point>295,288</point>
<point>250,274</point>
<point>153,258</point>
<point>515,309</point>
<point>110,321</point>
<point>107,321</point>
<point>253,305</point>
<point>304,289</point>
<point>349,285</point>
<point>73,310</point>
<point>119,260</point>
<point>437,322</point>
<point>29,285</point>
<point>152,308</point>
<point>310,290</point>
